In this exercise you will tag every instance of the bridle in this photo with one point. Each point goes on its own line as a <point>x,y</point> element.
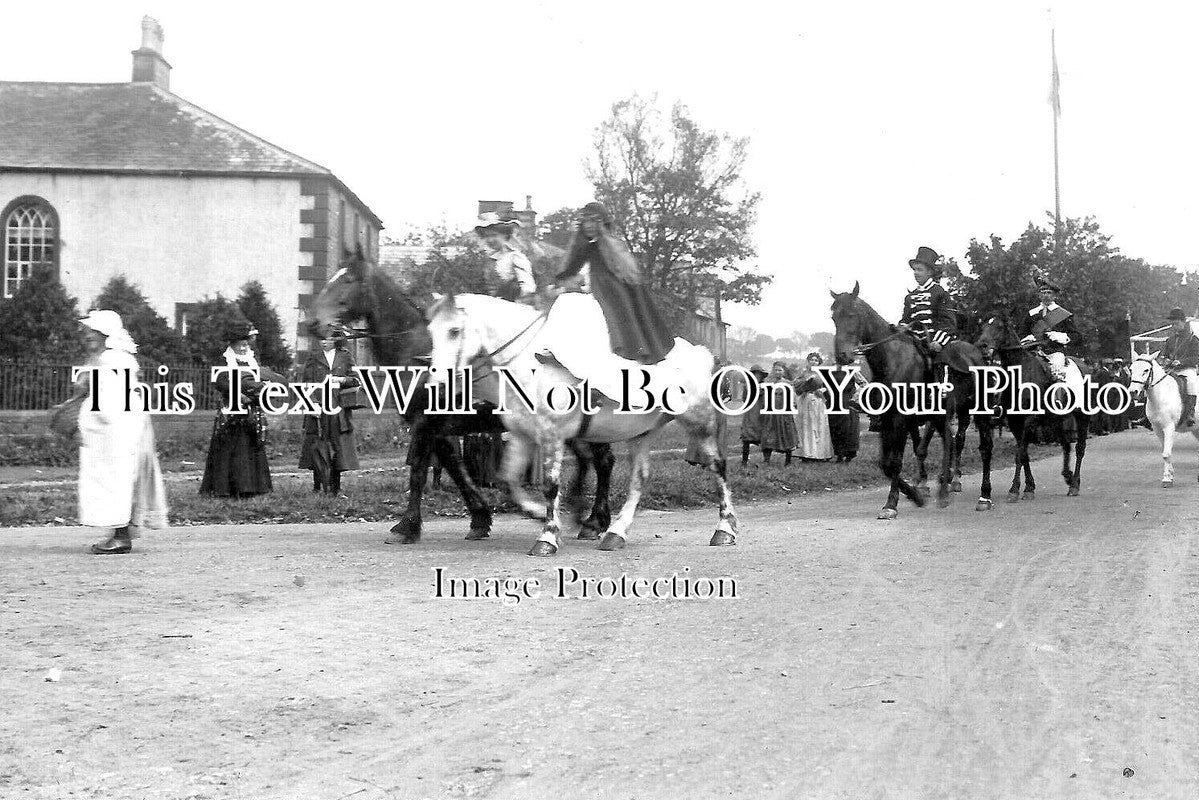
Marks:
<point>1145,386</point>
<point>490,356</point>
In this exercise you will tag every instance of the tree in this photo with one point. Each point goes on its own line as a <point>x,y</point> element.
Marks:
<point>207,326</point>
<point>40,322</point>
<point>823,341</point>
<point>156,340</point>
<point>1099,284</point>
<point>677,196</point>
<point>271,349</point>
<point>557,227</point>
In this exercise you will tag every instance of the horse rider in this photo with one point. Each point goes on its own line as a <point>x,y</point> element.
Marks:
<point>1051,327</point>
<point>928,310</point>
<point>1181,356</point>
<point>512,267</point>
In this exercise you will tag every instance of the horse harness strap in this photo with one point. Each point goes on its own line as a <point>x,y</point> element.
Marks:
<point>542,317</point>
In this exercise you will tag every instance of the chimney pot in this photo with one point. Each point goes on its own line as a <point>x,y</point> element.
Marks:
<point>148,64</point>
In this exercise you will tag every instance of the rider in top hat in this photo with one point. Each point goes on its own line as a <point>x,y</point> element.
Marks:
<point>1181,354</point>
<point>1052,327</point>
<point>928,309</point>
<point>511,265</point>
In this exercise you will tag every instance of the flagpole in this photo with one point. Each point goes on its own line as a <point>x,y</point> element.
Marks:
<point>1057,110</point>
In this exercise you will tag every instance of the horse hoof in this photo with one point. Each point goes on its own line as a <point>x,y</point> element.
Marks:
<point>956,486</point>
<point>888,513</point>
<point>403,532</point>
<point>476,535</point>
<point>983,504</point>
<point>589,534</point>
<point>543,549</point>
<point>943,502</point>
<point>924,490</point>
<point>1167,484</point>
<point>1073,492</point>
<point>1013,497</point>
<point>611,542</point>
<point>1029,496</point>
<point>722,539</point>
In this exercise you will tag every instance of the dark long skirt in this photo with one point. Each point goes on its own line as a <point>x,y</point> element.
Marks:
<point>845,430</point>
<point>636,328</point>
<point>237,463</point>
<point>338,433</point>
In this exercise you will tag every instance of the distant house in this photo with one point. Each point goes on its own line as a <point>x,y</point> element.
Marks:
<point>103,179</point>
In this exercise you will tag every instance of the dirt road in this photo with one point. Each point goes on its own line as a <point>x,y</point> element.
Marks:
<point>1043,650</point>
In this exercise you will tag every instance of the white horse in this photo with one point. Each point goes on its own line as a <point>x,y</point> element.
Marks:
<point>485,332</point>
<point>1163,406</point>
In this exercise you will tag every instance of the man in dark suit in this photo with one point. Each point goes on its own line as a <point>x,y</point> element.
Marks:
<point>1181,356</point>
<point>1051,327</point>
<point>928,310</point>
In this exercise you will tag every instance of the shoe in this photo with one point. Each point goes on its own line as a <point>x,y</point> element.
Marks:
<point>117,544</point>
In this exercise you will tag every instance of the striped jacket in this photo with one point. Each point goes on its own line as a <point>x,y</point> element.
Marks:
<point>928,309</point>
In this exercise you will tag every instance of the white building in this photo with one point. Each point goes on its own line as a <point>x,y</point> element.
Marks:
<point>103,179</point>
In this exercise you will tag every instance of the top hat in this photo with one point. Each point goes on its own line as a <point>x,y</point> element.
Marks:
<point>1045,283</point>
<point>926,256</point>
<point>1176,313</point>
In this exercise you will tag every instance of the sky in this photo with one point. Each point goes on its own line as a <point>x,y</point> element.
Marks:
<point>874,127</point>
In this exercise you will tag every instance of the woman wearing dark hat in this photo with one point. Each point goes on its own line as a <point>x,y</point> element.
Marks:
<point>1181,355</point>
<point>512,267</point>
<point>1052,327</point>
<point>751,420</point>
<point>237,461</point>
<point>636,329</point>
<point>928,310</point>
<point>328,447</point>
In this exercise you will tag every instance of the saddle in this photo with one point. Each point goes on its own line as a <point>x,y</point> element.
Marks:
<point>958,355</point>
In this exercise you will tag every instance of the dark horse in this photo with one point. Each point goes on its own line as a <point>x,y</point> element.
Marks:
<point>398,335</point>
<point>895,359</point>
<point>997,336</point>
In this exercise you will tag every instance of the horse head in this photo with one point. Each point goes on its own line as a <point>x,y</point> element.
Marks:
<point>455,341</point>
<point>1141,373</point>
<point>995,334</point>
<point>360,291</point>
<point>851,319</point>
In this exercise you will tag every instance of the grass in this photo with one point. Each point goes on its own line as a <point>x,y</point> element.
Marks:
<point>377,492</point>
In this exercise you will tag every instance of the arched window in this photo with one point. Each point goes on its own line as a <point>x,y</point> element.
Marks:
<point>30,240</point>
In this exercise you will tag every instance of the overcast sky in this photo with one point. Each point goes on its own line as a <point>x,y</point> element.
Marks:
<point>875,127</point>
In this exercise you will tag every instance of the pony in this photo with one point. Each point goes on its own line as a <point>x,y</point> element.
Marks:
<point>485,332</point>
<point>1163,406</point>
<point>895,358</point>
<point>397,332</point>
<point>998,337</point>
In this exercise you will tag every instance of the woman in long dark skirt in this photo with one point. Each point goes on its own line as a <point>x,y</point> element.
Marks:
<point>636,328</point>
<point>237,461</point>
<point>328,448</point>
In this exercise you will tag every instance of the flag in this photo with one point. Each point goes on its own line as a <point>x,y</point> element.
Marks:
<point>1055,87</point>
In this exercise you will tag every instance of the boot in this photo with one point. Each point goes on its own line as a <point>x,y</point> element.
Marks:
<point>119,542</point>
<point>1188,411</point>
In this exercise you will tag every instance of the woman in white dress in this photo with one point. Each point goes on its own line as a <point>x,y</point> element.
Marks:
<point>815,441</point>
<point>120,482</point>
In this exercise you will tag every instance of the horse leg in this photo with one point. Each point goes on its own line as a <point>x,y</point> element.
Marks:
<point>547,544</point>
<point>959,444</point>
<point>986,444</point>
<point>618,531</point>
<point>420,451</point>
<point>920,441</point>
<point>942,424</point>
<point>1030,483</point>
<point>480,512</point>
<point>512,471</point>
<point>893,440</point>
<point>1082,425</point>
<point>601,512</point>
<point>1067,450</point>
<point>1019,426</point>
<point>1165,435</point>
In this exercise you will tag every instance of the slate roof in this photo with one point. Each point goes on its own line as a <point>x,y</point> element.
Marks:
<point>130,127</point>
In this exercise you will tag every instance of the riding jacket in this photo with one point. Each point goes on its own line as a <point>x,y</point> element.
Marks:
<point>1184,348</point>
<point>1043,320</point>
<point>928,310</point>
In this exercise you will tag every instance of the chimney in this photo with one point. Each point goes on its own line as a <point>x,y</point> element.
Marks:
<point>148,64</point>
